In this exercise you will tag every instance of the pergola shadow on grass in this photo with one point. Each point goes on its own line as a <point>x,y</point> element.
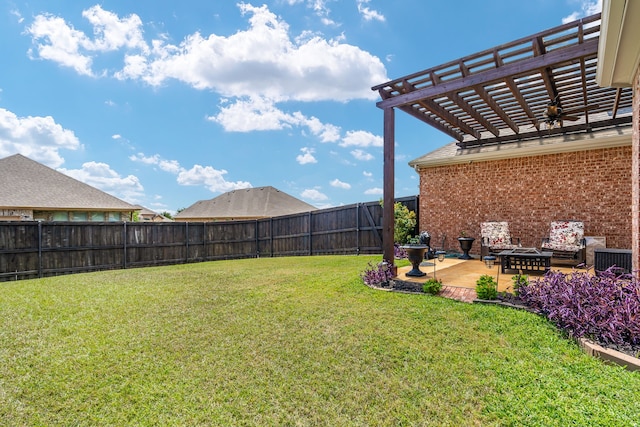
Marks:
<point>284,341</point>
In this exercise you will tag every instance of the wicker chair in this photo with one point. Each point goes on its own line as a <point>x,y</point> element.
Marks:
<point>496,237</point>
<point>566,241</point>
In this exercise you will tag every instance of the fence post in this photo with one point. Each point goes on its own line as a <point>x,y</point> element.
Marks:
<point>186,239</point>
<point>357,228</point>
<point>271,236</point>
<point>124,245</point>
<point>256,230</point>
<point>310,233</point>
<point>40,249</point>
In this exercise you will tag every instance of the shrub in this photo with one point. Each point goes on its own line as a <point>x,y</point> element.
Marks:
<point>519,281</point>
<point>377,274</point>
<point>432,286</point>
<point>604,308</point>
<point>404,223</point>
<point>486,287</point>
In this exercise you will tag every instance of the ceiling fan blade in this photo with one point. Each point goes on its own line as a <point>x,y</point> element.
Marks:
<point>581,110</point>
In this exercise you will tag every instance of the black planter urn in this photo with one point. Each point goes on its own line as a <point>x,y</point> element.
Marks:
<point>415,253</point>
<point>465,246</point>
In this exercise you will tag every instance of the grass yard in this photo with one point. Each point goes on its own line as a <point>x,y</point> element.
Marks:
<point>286,341</point>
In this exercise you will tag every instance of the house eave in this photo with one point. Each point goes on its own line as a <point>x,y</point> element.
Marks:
<point>619,138</point>
<point>618,47</point>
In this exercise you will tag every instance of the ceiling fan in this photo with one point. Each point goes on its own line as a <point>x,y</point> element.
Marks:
<point>554,114</point>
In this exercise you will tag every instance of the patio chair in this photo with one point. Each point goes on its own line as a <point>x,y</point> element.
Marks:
<point>566,241</point>
<point>496,237</point>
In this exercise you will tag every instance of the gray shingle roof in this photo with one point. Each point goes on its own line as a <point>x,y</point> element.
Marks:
<point>451,153</point>
<point>28,184</point>
<point>260,202</point>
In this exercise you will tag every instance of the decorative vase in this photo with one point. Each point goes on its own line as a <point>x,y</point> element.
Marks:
<point>415,253</point>
<point>465,246</point>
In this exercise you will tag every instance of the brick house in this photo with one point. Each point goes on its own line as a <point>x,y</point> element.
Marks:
<point>32,191</point>
<point>539,134</point>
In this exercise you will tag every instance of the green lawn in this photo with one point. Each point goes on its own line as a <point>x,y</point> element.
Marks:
<point>286,341</point>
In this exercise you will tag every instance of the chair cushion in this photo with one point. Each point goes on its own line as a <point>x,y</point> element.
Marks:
<point>566,234</point>
<point>561,247</point>
<point>503,247</point>
<point>496,233</point>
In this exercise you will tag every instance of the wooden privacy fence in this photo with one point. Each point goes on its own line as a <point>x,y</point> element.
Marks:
<point>30,249</point>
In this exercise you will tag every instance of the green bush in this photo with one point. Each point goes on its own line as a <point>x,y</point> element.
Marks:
<point>404,223</point>
<point>486,287</point>
<point>519,280</point>
<point>432,286</point>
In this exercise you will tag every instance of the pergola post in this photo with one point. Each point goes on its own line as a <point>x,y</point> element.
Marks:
<point>388,187</point>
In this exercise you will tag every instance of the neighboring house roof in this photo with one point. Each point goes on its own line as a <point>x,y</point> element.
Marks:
<point>260,202</point>
<point>29,184</point>
<point>146,214</point>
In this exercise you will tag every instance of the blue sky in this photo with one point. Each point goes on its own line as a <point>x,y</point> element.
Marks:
<point>165,103</point>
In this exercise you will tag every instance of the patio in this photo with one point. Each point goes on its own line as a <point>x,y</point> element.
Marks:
<point>459,276</point>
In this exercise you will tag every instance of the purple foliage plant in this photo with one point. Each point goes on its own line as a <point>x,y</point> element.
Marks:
<point>604,308</point>
<point>377,274</point>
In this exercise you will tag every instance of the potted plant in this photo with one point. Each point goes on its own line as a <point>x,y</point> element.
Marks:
<point>465,245</point>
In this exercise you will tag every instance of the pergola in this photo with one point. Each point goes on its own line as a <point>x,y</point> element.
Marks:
<point>534,87</point>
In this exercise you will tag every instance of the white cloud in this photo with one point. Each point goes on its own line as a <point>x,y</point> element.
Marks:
<point>313,194</point>
<point>18,15</point>
<point>361,155</point>
<point>171,166</point>
<point>367,174</point>
<point>306,156</point>
<point>100,175</point>
<point>60,43</point>
<point>374,191</point>
<point>361,138</point>
<point>39,138</point>
<point>256,113</point>
<point>587,8</point>
<point>111,33</point>
<point>263,60</point>
<point>339,184</point>
<point>206,176</point>
<point>116,136</point>
<point>246,115</point>
<point>368,14</point>
<point>211,178</point>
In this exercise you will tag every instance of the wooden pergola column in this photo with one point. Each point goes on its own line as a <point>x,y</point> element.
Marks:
<point>388,186</point>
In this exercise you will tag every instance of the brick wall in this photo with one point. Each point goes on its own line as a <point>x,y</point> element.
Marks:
<point>529,192</point>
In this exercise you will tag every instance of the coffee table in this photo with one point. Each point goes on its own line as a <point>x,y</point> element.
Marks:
<point>529,260</point>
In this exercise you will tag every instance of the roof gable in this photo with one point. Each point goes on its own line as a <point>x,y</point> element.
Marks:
<point>29,184</point>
